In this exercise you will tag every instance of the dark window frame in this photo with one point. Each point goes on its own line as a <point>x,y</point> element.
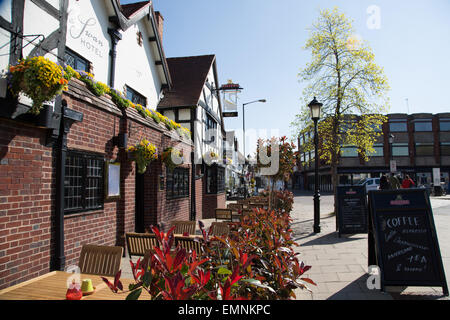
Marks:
<point>177,183</point>
<point>402,121</point>
<point>83,205</point>
<point>135,96</point>
<point>428,145</point>
<point>380,146</point>
<point>397,146</point>
<point>77,59</point>
<point>349,156</point>
<point>444,146</point>
<point>424,121</point>
<point>446,121</point>
<point>217,184</point>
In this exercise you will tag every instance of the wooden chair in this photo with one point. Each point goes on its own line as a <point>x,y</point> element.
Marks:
<point>220,228</point>
<point>224,214</point>
<point>183,226</point>
<point>100,260</point>
<point>255,205</point>
<point>139,243</point>
<point>189,244</point>
<point>235,207</point>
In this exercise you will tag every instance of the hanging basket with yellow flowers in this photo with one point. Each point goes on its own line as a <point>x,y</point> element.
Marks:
<point>38,78</point>
<point>143,153</point>
<point>172,158</point>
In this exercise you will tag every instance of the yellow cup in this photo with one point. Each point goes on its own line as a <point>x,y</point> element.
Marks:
<point>86,286</point>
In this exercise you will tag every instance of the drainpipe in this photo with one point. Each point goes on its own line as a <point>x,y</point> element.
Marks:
<point>115,37</point>
<point>58,260</point>
<point>193,167</point>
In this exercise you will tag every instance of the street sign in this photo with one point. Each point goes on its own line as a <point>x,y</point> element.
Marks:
<point>230,114</point>
<point>403,240</point>
<point>393,165</point>
<point>352,209</point>
<point>436,176</point>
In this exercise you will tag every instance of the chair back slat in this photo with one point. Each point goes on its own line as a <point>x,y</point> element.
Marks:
<point>235,207</point>
<point>224,214</point>
<point>220,228</point>
<point>189,244</point>
<point>139,243</point>
<point>184,226</point>
<point>100,260</point>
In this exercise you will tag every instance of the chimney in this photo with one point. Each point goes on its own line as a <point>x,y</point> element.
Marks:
<point>159,24</point>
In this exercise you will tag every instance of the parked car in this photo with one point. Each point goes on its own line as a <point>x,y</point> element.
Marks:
<point>370,183</point>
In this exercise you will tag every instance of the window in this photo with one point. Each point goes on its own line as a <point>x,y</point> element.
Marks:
<point>424,125</point>
<point>177,184</point>
<point>424,149</point>
<point>398,126</point>
<point>445,148</point>
<point>400,149</point>
<point>211,126</point>
<point>215,179</point>
<point>444,125</point>
<point>76,62</point>
<point>349,151</point>
<point>83,185</point>
<point>378,151</point>
<point>136,97</point>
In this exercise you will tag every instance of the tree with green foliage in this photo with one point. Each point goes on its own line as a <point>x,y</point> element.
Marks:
<point>280,151</point>
<point>344,77</point>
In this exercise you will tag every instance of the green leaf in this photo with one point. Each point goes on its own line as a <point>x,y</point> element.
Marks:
<point>224,271</point>
<point>147,279</point>
<point>134,295</point>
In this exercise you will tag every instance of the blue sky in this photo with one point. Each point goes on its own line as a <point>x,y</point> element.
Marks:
<point>259,45</point>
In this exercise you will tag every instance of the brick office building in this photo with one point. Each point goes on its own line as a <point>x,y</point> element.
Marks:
<point>56,173</point>
<point>421,143</point>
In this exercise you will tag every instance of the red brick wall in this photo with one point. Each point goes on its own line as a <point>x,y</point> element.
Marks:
<point>27,187</point>
<point>26,200</point>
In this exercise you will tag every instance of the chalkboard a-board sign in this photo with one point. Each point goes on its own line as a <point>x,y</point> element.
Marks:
<point>403,239</point>
<point>352,210</point>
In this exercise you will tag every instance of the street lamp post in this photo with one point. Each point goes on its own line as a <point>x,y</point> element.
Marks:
<point>315,116</point>
<point>243,140</point>
<point>391,141</point>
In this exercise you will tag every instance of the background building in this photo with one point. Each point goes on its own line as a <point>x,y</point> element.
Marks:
<point>421,143</point>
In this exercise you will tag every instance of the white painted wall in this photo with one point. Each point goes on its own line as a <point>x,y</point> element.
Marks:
<point>208,99</point>
<point>87,35</point>
<point>5,13</point>
<point>135,65</point>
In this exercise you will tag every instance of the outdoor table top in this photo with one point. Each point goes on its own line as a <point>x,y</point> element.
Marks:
<point>53,286</point>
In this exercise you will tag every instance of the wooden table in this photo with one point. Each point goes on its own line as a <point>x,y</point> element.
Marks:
<point>52,286</point>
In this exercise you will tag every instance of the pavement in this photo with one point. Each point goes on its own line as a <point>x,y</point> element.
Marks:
<point>339,265</point>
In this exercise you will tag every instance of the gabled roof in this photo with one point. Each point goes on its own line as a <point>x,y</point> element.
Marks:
<point>131,9</point>
<point>127,15</point>
<point>188,76</point>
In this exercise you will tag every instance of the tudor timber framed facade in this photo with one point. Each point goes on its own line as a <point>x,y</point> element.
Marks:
<point>195,103</point>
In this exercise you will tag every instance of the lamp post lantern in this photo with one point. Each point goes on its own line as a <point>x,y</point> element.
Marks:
<point>315,108</point>
<point>391,141</point>
<point>243,140</point>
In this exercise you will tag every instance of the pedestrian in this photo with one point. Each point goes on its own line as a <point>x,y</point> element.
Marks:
<point>394,182</point>
<point>384,183</point>
<point>407,182</point>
